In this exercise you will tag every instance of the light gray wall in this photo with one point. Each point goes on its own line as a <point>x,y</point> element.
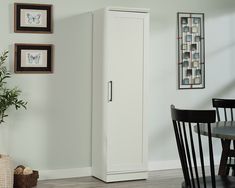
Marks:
<point>55,131</point>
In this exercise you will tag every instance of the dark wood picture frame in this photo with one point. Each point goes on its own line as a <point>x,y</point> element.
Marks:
<point>33,58</point>
<point>32,18</point>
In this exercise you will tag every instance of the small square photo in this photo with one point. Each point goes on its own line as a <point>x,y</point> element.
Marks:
<point>185,81</point>
<point>184,47</point>
<point>184,20</point>
<point>186,29</point>
<point>197,80</point>
<point>185,63</point>
<point>189,72</point>
<point>195,64</point>
<point>196,20</point>
<point>186,55</point>
<point>196,56</point>
<point>194,29</point>
<point>197,38</point>
<point>193,47</point>
<point>188,38</point>
<point>198,72</point>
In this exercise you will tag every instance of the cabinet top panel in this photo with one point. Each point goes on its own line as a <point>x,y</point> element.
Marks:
<point>127,9</point>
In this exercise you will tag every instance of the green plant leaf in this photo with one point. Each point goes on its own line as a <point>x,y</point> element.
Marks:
<point>8,97</point>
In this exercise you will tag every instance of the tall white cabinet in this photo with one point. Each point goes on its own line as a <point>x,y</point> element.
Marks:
<point>119,128</point>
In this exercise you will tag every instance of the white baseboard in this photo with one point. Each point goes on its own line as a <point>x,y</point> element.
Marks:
<point>173,164</point>
<point>163,165</point>
<point>86,171</point>
<point>64,173</point>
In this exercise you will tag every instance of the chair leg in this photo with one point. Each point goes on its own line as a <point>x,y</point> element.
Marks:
<point>224,157</point>
<point>227,170</point>
<point>230,160</point>
<point>233,171</point>
<point>229,167</point>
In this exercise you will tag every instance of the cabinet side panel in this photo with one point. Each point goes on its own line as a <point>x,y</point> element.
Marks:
<point>146,91</point>
<point>98,139</point>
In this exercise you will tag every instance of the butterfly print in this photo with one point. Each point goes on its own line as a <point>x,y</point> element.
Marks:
<point>33,59</point>
<point>34,19</point>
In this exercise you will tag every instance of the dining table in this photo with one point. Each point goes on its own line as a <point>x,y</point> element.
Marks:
<point>224,130</point>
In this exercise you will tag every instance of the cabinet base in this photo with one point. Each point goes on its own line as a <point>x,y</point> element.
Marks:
<point>124,177</point>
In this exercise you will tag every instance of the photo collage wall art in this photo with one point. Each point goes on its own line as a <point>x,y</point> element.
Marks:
<point>191,51</point>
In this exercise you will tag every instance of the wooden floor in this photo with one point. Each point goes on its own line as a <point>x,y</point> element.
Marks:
<point>157,179</point>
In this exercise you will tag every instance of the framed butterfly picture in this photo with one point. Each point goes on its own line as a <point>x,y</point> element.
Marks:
<point>33,58</point>
<point>33,18</point>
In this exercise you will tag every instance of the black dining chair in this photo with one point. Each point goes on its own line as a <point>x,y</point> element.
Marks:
<point>225,109</point>
<point>190,147</point>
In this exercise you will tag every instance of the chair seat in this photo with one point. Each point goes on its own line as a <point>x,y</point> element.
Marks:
<point>221,182</point>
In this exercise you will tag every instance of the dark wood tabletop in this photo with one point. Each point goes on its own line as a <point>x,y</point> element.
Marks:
<point>222,129</point>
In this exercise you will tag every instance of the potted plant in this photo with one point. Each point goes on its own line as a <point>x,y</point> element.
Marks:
<point>8,97</point>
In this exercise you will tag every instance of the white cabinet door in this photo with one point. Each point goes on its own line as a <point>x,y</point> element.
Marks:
<point>125,61</point>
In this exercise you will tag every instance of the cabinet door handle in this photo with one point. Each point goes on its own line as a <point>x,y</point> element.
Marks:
<point>110,91</point>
